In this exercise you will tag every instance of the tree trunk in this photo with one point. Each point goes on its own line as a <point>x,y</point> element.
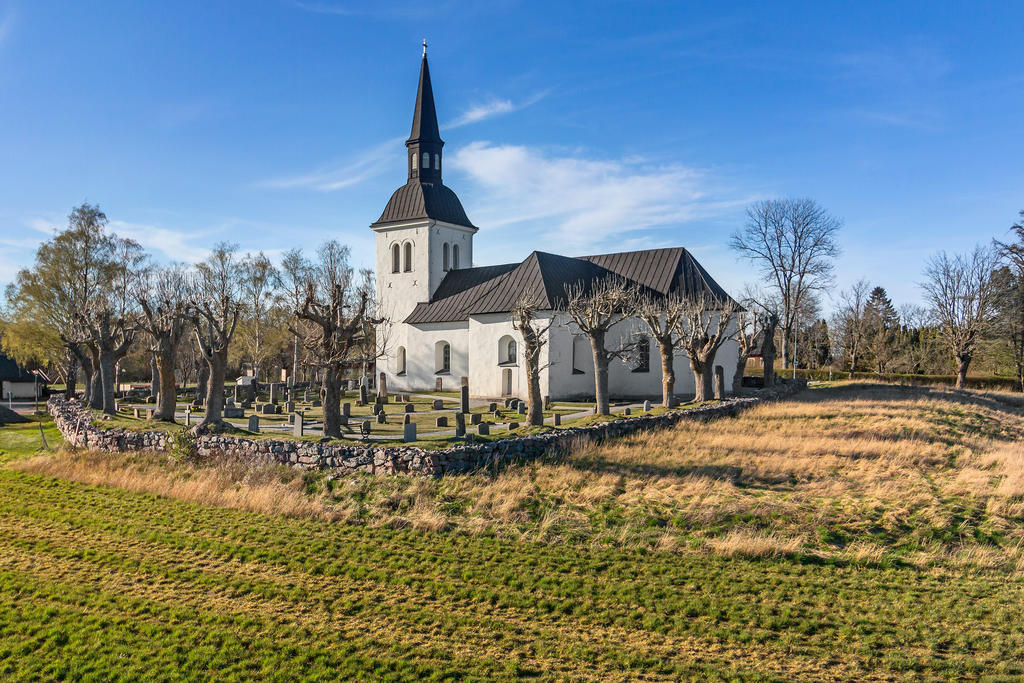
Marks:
<point>332,402</point>
<point>96,384</point>
<point>535,411</point>
<point>600,372</point>
<point>203,380</point>
<point>71,375</point>
<point>668,373</point>
<point>108,382</point>
<point>768,351</point>
<point>853,364</point>
<point>737,378</point>
<point>154,376</point>
<point>702,379</point>
<point>963,362</point>
<point>217,369</point>
<point>87,371</point>
<point>295,357</point>
<point>785,347</point>
<point>167,401</point>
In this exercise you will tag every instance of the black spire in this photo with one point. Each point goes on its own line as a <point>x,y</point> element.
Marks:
<point>425,141</point>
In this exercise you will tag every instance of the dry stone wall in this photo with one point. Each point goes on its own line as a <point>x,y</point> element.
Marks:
<point>75,423</point>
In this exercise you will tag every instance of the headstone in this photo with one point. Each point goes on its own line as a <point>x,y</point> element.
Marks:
<point>497,414</point>
<point>297,425</point>
<point>290,406</point>
<point>521,408</point>
<point>136,413</point>
<point>626,411</point>
<point>464,396</point>
<point>557,419</point>
<point>365,427</point>
<point>509,400</point>
<point>377,408</point>
<point>491,407</point>
<point>250,395</point>
<point>647,406</point>
<point>382,387</point>
<point>266,409</point>
<point>254,423</point>
<point>316,403</point>
<point>150,413</point>
<point>382,418</point>
<point>188,417</point>
<point>305,396</point>
<point>275,392</point>
<point>406,419</point>
<point>513,425</point>
<point>439,384</point>
<point>409,432</point>
<point>346,409</point>
<point>410,408</point>
<point>460,423</point>
<point>483,429</point>
<point>474,418</point>
<point>546,403</point>
<point>441,421</point>
<point>343,420</point>
<point>438,404</point>
<point>233,412</point>
<point>719,382</point>
<point>363,396</point>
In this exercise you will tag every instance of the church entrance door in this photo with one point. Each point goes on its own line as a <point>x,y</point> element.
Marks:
<point>506,382</point>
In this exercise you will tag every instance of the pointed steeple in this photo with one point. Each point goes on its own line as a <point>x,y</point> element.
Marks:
<point>425,141</point>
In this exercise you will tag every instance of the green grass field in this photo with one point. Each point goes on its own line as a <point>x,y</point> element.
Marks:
<point>655,558</point>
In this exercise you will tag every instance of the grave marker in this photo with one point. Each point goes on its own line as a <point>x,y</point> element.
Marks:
<point>409,432</point>
<point>719,382</point>
<point>254,423</point>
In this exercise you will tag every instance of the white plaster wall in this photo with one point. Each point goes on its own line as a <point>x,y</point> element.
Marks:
<point>398,293</point>
<point>485,378</point>
<point>420,342</point>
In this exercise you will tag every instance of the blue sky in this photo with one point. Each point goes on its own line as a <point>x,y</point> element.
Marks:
<point>570,127</point>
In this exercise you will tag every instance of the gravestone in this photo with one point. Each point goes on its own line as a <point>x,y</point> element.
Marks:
<point>365,427</point>
<point>521,408</point>
<point>557,419</point>
<point>188,417</point>
<point>254,423</point>
<point>382,418</point>
<point>460,423</point>
<point>363,396</point>
<point>382,388</point>
<point>266,409</point>
<point>377,408</point>
<point>438,404</point>
<point>441,421</point>
<point>483,429</point>
<point>496,414</point>
<point>297,424</point>
<point>439,384</point>
<point>474,418</point>
<point>410,408</point>
<point>647,406</point>
<point>150,413</point>
<point>513,425</point>
<point>346,409</point>
<point>491,407</point>
<point>316,403</point>
<point>406,419</point>
<point>627,411</point>
<point>233,412</point>
<point>275,392</point>
<point>305,396</point>
<point>343,420</point>
<point>290,406</point>
<point>409,432</point>
<point>509,400</point>
<point>464,395</point>
<point>250,395</point>
<point>719,382</point>
<point>136,413</point>
<point>546,403</point>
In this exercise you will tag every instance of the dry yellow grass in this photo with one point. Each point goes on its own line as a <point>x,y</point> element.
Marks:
<point>853,470</point>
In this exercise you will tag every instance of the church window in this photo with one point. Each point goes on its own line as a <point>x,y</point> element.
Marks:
<point>442,357</point>
<point>643,355</point>
<point>507,351</point>
<point>414,159</point>
<point>437,162</point>
<point>401,360</point>
<point>579,354</point>
<point>455,257</point>
<point>511,351</point>
<point>408,257</point>
<point>396,258</point>
<point>426,160</point>
<point>444,257</point>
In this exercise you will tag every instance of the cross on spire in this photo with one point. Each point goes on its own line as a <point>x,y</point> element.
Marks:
<point>424,47</point>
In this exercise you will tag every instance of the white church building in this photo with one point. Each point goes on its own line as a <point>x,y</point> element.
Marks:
<point>446,319</point>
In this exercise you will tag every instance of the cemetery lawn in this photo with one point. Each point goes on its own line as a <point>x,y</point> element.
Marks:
<point>854,532</point>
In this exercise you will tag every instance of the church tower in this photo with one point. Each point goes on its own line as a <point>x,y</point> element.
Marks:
<point>424,232</point>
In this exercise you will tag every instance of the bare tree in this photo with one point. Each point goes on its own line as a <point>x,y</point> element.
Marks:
<point>295,273</point>
<point>663,317</point>
<point>534,330</point>
<point>258,282</point>
<point>215,316</point>
<point>336,309</point>
<point>1010,288</point>
<point>165,297</point>
<point>792,242</point>
<point>750,326</point>
<point>595,308</point>
<point>959,290</point>
<point>850,322</point>
<point>705,327</point>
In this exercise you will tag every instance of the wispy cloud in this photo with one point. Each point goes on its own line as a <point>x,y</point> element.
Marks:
<point>175,245</point>
<point>494,107</point>
<point>328,178</point>
<point>583,203</point>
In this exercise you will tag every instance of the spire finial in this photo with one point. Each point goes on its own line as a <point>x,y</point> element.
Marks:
<point>424,47</point>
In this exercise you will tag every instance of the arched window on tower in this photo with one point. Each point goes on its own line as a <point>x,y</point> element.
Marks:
<point>408,257</point>
<point>414,159</point>
<point>444,257</point>
<point>396,258</point>
<point>426,160</point>
<point>455,257</point>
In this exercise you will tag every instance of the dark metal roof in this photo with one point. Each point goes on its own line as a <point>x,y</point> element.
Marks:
<point>424,117</point>
<point>417,199</point>
<point>544,278</point>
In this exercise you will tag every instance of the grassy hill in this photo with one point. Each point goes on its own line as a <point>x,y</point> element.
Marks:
<point>861,531</point>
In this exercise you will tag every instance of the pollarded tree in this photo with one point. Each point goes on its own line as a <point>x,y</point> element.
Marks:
<point>215,316</point>
<point>850,321</point>
<point>335,308</point>
<point>595,308</point>
<point>663,317</point>
<point>295,273</point>
<point>534,330</point>
<point>750,326</point>
<point>165,297</point>
<point>792,242</point>
<point>959,290</point>
<point>259,282</point>
<point>707,324</point>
